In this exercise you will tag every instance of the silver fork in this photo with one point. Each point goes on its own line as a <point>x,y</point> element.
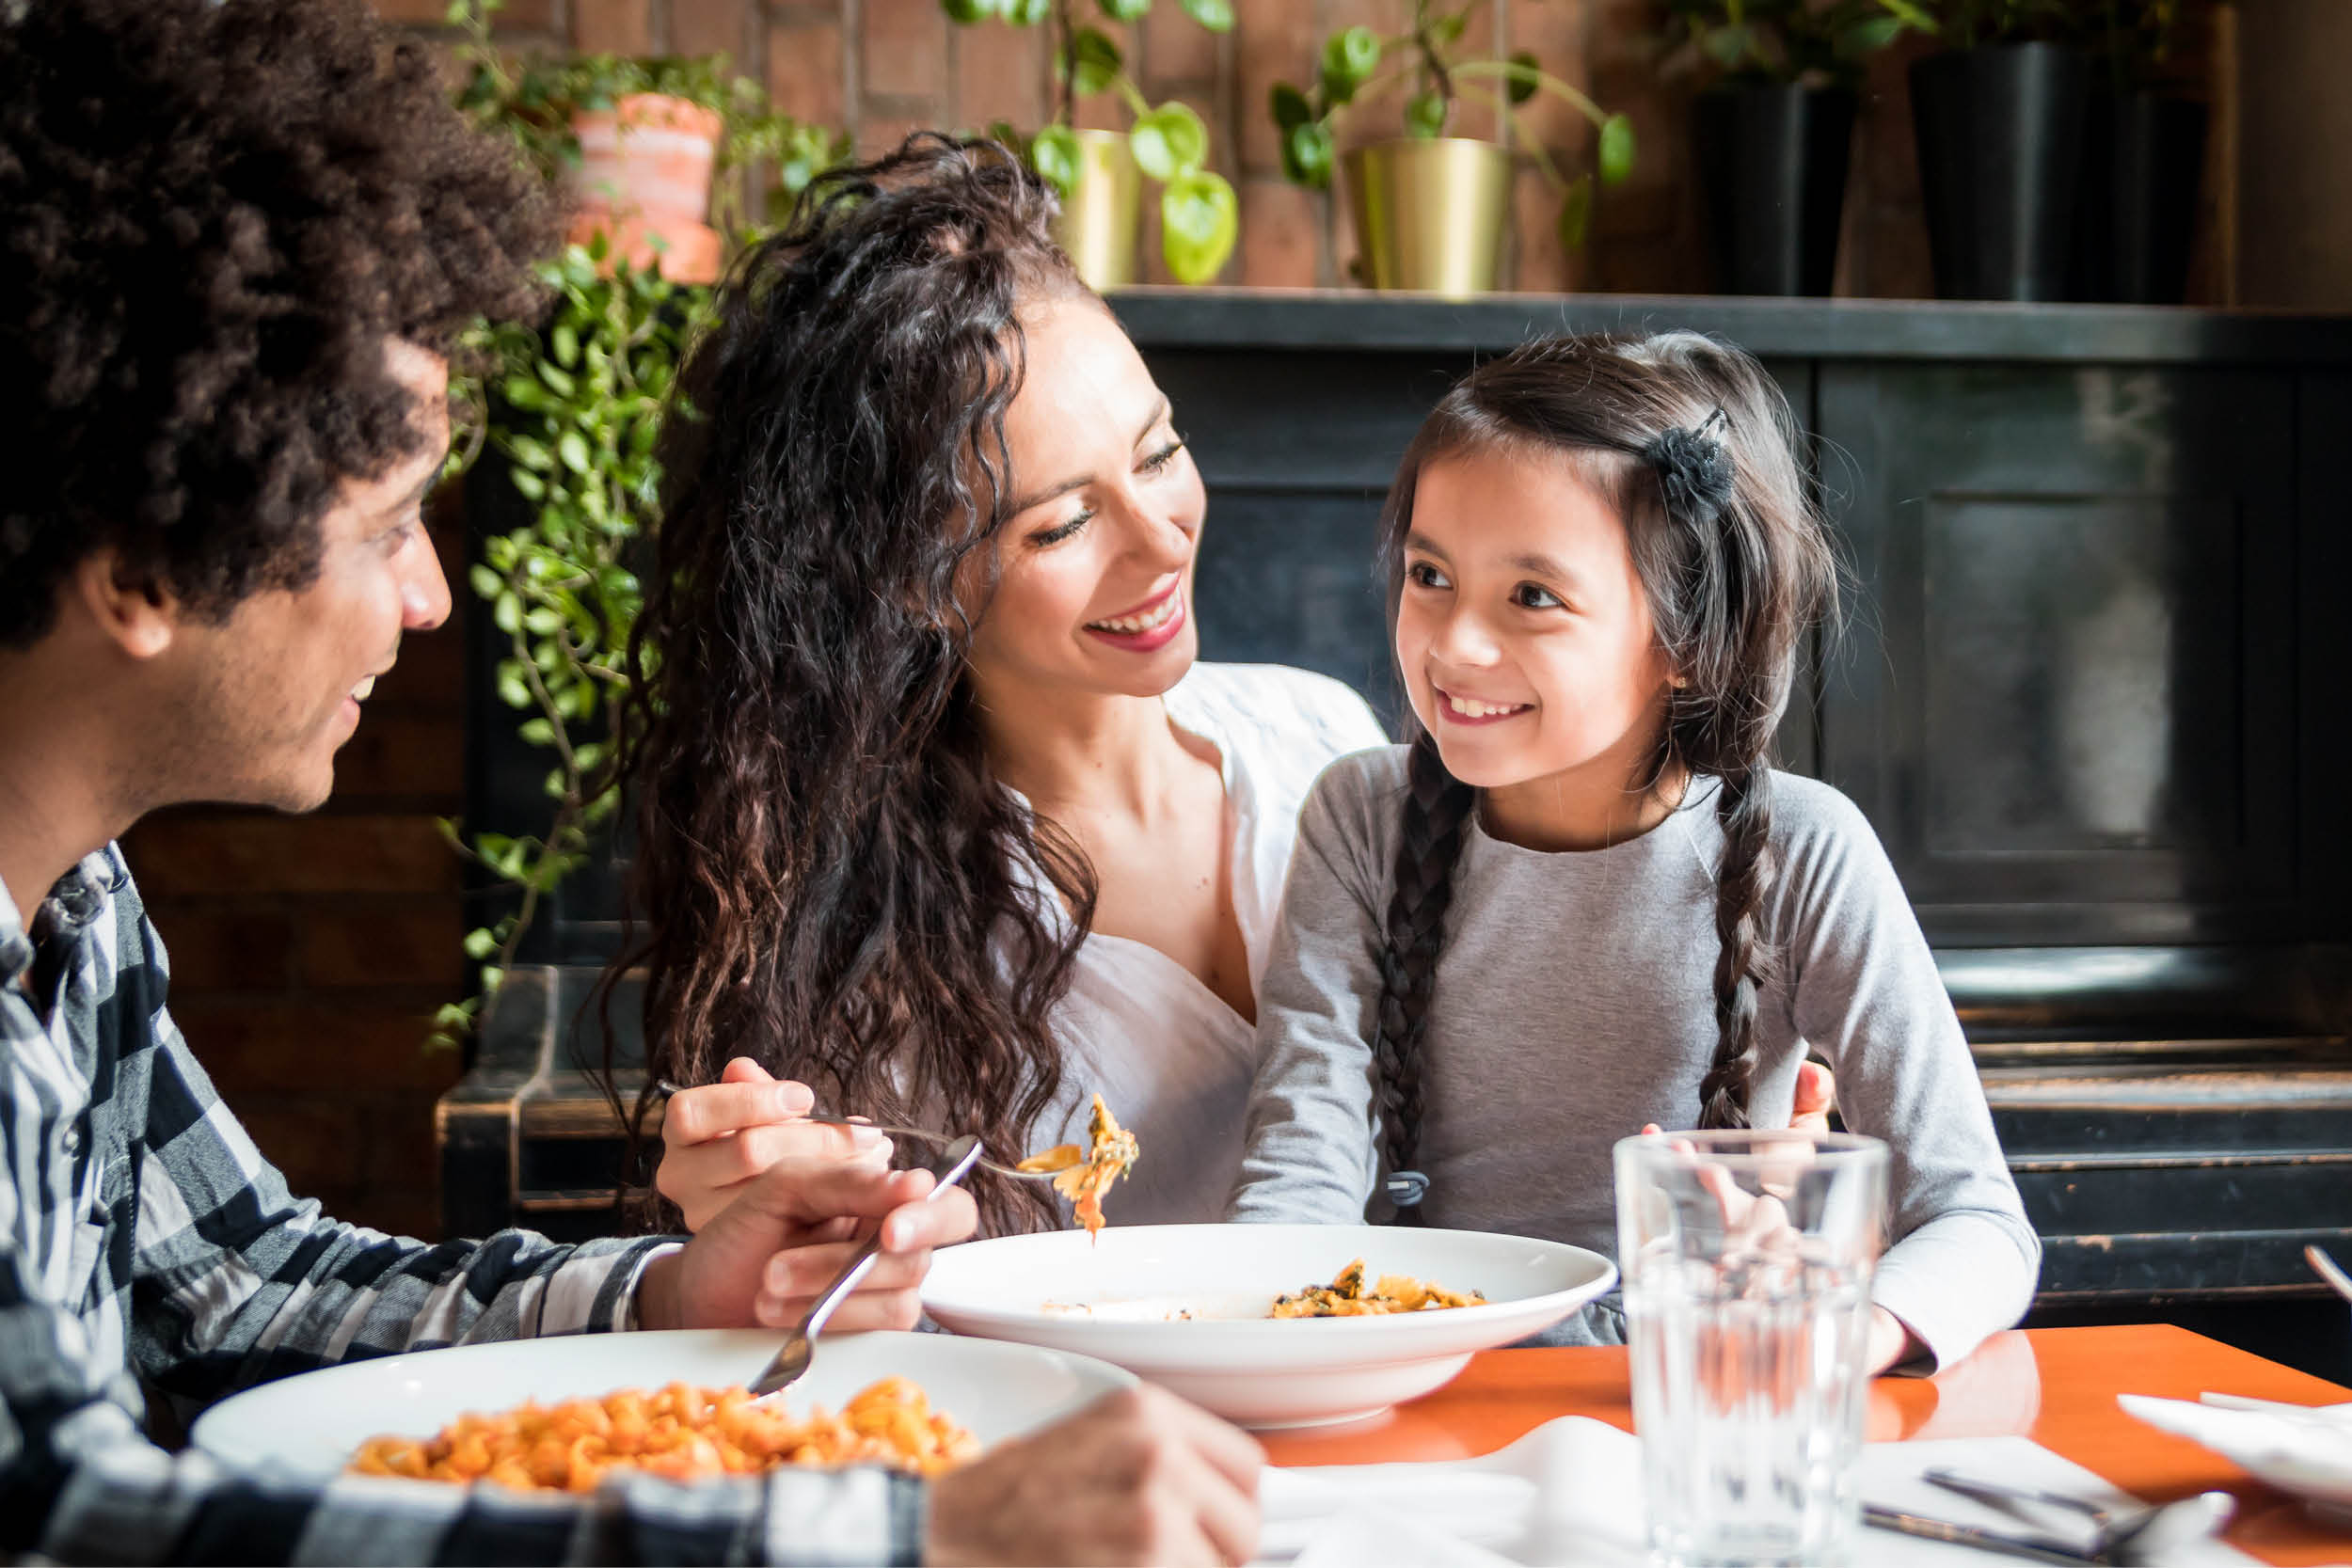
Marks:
<point>943,1139</point>
<point>794,1357</point>
<point>929,1136</point>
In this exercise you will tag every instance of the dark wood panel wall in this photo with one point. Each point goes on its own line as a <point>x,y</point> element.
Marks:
<point>2090,689</point>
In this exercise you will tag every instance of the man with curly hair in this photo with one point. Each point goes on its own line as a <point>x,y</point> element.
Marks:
<point>238,239</point>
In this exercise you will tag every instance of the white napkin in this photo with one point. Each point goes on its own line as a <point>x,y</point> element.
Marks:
<point>1569,1495</point>
<point>2308,1453</point>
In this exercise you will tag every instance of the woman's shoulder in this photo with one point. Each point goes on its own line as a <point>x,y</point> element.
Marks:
<point>1311,717</point>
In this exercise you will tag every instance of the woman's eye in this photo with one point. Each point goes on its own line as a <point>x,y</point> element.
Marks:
<point>1423,575</point>
<point>1526,596</point>
<point>1046,537</point>
<point>1162,457</point>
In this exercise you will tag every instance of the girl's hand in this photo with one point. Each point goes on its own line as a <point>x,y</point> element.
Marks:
<point>717,1138</point>
<point>1817,1091</point>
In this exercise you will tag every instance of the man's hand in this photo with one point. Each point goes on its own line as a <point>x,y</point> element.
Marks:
<point>761,1260</point>
<point>1139,1476</point>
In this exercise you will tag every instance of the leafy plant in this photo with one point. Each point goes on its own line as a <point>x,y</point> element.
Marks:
<point>1808,42</point>
<point>1973,23</point>
<point>1358,65</point>
<point>1200,215</point>
<point>574,405</point>
<point>2139,40</point>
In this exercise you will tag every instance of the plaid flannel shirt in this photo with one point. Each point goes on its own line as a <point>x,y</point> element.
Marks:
<point>146,1238</point>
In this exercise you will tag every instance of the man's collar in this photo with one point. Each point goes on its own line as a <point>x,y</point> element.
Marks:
<point>76,899</point>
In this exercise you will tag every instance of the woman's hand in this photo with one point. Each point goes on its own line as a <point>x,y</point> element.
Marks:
<point>717,1138</point>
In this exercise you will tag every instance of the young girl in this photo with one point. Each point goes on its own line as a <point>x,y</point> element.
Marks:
<point>1580,900</point>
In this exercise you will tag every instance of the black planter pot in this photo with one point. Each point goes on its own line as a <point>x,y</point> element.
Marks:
<point>2000,163</point>
<point>1772,164</point>
<point>2137,222</point>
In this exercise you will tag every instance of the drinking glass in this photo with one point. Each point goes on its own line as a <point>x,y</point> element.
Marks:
<point>1747,1260</point>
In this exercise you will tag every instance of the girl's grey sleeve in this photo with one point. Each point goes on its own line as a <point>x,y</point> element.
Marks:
<point>1310,1153</point>
<point>1868,998</point>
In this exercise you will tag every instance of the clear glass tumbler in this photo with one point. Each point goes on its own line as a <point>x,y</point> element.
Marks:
<point>1747,1260</point>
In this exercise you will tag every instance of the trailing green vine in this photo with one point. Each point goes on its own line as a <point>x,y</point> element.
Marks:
<point>573,404</point>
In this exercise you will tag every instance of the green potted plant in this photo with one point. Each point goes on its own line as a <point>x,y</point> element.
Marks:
<point>1099,173</point>
<point>637,142</point>
<point>1999,121</point>
<point>1430,209</point>
<point>570,406</point>
<point>1772,132</point>
<point>2143,153</point>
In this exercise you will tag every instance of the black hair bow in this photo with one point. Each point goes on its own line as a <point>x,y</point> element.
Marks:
<point>1694,470</point>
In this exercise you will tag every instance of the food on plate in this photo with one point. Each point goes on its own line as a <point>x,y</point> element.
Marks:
<point>1347,1297</point>
<point>681,1433</point>
<point>1083,1177</point>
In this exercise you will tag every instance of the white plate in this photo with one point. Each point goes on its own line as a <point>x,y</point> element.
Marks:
<point>1118,1296</point>
<point>310,1425</point>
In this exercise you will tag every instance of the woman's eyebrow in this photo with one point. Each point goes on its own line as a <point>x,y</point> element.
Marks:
<point>1082,481</point>
<point>1426,546</point>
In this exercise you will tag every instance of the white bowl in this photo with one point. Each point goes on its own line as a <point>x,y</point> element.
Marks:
<point>1118,1296</point>
<point>310,1425</point>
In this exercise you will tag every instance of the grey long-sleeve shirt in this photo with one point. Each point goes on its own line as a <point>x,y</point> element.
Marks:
<point>1574,1002</point>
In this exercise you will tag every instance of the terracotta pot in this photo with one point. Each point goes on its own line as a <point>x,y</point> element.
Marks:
<point>645,176</point>
<point>687,252</point>
<point>647,154</point>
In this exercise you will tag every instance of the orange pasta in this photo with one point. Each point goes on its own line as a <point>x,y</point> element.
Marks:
<point>1349,1296</point>
<point>680,1432</point>
<point>1084,1176</point>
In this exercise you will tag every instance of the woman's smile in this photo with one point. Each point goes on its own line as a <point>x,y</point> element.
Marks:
<point>1149,627</point>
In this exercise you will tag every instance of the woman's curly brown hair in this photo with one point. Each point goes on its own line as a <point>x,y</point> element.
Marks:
<point>212,216</point>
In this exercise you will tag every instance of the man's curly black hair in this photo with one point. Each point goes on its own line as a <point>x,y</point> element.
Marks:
<point>213,215</point>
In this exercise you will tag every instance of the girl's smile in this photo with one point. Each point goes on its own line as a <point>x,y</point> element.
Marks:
<point>1455,708</point>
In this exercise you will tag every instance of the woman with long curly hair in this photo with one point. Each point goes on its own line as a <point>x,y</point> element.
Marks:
<point>937,814</point>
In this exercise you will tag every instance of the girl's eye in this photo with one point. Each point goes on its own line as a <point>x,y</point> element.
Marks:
<point>1526,596</point>
<point>1044,538</point>
<point>1420,574</point>
<point>1161,458</point>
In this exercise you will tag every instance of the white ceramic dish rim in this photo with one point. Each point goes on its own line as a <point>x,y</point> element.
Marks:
<point>1477,1324</point>
<point>1091,1377</point>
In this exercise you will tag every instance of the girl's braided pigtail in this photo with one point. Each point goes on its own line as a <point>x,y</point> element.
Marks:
<point>1436,816</point>
<point>1743,957</point>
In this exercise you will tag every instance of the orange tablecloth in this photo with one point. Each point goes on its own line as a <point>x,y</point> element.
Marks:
<point>2056,1385</point>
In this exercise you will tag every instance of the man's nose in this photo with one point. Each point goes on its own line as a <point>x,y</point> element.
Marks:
<point>424,591</point>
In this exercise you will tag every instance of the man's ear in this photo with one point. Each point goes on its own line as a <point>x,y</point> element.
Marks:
<point>137,614</point>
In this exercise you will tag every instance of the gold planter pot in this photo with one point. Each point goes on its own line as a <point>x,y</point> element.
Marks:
<point>1100,219</point>
<point>1430,214</point>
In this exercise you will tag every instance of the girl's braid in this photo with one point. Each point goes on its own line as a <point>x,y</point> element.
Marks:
<point>1744,807</point>
<point>1437,815</point>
